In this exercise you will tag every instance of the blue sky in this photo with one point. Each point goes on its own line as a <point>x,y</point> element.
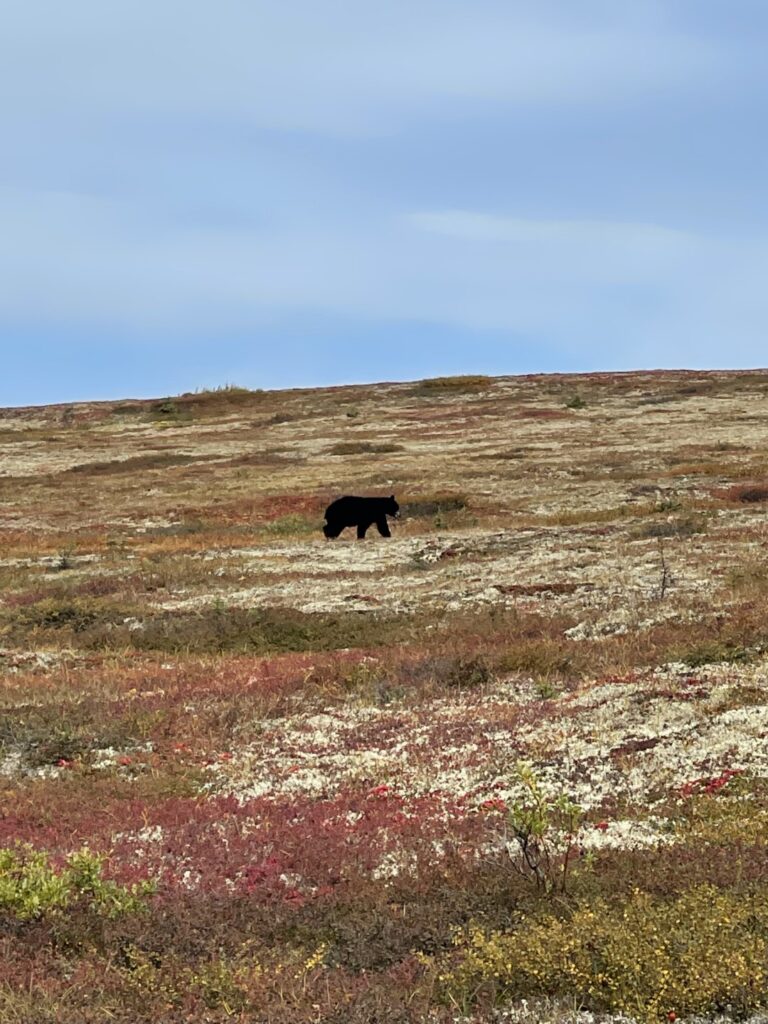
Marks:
<point>297,192</point>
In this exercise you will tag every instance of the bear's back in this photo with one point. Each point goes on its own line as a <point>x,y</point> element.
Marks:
<point>353,508</point>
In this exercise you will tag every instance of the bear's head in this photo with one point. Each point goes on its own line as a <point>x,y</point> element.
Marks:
<point>392,508</point>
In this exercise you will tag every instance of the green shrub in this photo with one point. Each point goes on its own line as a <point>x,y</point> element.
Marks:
<point>715,651</point>
<point>166,408</point>
<point>63,563</point>
<point>226,389</point>
<point>546,657</point>
<point>75,614</point>
<point>468,674</point>
<point>257,631</point>
<point>452,385</point>
<point>687,526</point>
<point>292,525</point>
<point>543,830</point>
<point>168,412</point>
<point>576,402</point>
<point>60,744</point>
<point>373,684</point>
<point>134,465</point>
<point>30,887</point>
<point>92,625</point>
<point>432,505</point>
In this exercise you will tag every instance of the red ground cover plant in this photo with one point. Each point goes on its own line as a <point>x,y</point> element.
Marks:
<point>747,493</point>
<point>707,786</point>
<point>305,846</point>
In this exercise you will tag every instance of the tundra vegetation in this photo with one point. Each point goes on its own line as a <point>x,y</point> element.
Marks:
<point>510,765</point>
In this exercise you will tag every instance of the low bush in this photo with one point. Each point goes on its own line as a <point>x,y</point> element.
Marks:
<point>134,464</point>
<point>545,657</point>
<point>687,526</point>
<point>643,957</point>
<point>576,402</point>
<point>364,448</point>
<point>166,409</point>
<point>256,631</point>
<point>452,385</point>
<point>432,505</point>
<point>468,673</point>
<point>543,829</point>
<point>745,493</point>
<point>371,682</point>
<point>293,525</point>
<point>31,887</point>
<point>716,651</point>
<point>230,390</point>
<point>68,616</point>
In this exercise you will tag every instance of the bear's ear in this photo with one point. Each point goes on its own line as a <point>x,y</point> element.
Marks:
<point>392,497</point>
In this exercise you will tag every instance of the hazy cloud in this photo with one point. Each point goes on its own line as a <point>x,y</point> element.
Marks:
<point>94,262</point>
<point>339,66</point>
<point>579,176</point>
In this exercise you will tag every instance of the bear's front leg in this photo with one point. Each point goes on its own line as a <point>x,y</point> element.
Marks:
<point>383,527</point>
<point>361,528</point>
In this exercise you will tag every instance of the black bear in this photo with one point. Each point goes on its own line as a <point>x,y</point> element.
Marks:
<point>359,512</point>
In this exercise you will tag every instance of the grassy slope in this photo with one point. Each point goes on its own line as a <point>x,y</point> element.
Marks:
<point>314,749</point>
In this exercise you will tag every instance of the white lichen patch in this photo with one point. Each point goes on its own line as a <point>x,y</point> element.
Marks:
<point>609,586</point>
<point>12,763</point>
<point>14,661</point>
<point>625,834</point>
<point>637,742</point>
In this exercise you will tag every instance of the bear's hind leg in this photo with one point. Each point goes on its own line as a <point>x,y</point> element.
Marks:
<point>383,527</point>
<point>361,528</point>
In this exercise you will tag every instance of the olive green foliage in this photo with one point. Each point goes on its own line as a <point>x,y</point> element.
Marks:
<point>543,830</point>
<point>576,402</point>
<point>292,525</point>
<point>92,625</point>
<point>30,887</point>
<point>468,674</point>
<point>364,448</point>
<point>685,526</point>
<point>432,505</point>
<point>644,957</point>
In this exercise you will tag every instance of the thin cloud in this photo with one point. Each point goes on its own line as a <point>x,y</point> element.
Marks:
<point>484,227</point>
<point>578,176</point>
<point>337,67</point>
<point>95,263</point>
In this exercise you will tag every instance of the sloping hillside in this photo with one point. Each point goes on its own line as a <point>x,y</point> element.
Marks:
<point>517,752</point>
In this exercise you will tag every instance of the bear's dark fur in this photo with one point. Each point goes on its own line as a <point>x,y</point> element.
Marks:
<point>359,512</point>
